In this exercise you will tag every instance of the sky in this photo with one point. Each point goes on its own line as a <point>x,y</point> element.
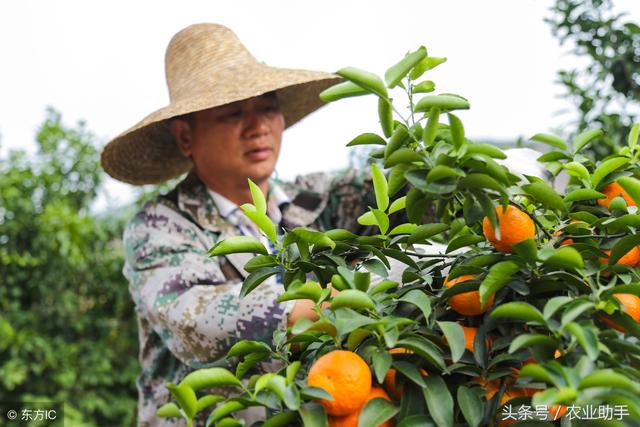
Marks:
<point>103,62</point>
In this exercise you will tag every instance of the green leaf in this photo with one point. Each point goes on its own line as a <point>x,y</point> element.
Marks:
<point>441,172</point>
<point>381,360</point>
<point>577,169</point>
<point>608,166</point>
<point>426,231</point>
<point>609,378</point>
<point>486,149</point>
<point>260,219</point>
<point>382,219</point>
<point>455,338</point>
<point>377,267</point>
<point>419,299</point>
<point>385,114</point>
<point>528,250</point>
<point>587,340</point>
<point>362,279</point>
<point>439,400</point>
<point>396,178</point>
<point>259,202</point>
<point>545,194</point>
<point>498,276</point>
<point>424,348</point>
<point>364,79</point>
<point>186,398</point>
<point>398,204</point>
<point>255,278</point>
<point>431,129</point>
<point>309,290</point>
<point>342,90</point>
<point>631,186</point>
<point>550,140</point>
<point>586,137</point>
<point>367,139</point>
<point>206,401</point>
<point>537,372</point>
<point>583,194</point>
<point>352,298</point>
<point>471,406</point>
<point>238,244</point>
<point>426,64</point>
<point>575,309</point>
<point>260,261</point>
<point>376,411</point>
<point>383,286</point>
<point>229,422</point>
<point>210,377</point>
<point>339,234</point>
<point>462,241</point>
<point>481,181</point>
<point>313,237</point>
<point>348,320</point>
<point>564,257</point>
<point>380,187</point>
<point>554,304</point>
<point>402,155</point>
<point>282,419</point>
<point>410,371</point>
<point>223,410</point>
<point>313,415</point>
<point>457,131</point>
<point>169,410</point>
<point>424,87</point>
<point>533,340</point>
<point>397,72</point>
<point>445,102</point>
<point>248,362</point>
<point>519,310</point>
<point>367,218</point>
<point>245,347</point>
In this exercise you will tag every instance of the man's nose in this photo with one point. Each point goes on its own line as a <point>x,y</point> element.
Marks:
<point>257,124</point>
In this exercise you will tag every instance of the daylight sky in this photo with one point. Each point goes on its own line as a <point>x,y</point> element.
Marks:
<point>103,62</point>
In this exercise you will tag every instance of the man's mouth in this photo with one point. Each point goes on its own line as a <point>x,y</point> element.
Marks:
<point>257,154</point>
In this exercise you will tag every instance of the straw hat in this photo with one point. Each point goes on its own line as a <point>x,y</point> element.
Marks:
<point>206,66</point>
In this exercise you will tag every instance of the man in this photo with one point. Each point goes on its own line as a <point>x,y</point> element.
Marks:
<point>223,125</point>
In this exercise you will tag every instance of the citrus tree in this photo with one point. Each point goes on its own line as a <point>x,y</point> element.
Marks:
<point>529,315</point>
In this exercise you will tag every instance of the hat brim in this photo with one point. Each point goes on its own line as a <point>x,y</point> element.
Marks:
<point>147,153</point>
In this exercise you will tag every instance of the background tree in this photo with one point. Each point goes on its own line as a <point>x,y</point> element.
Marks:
<point>67,328</point>
<point>606,89</point>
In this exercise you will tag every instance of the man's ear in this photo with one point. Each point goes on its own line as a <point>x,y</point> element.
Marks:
<point>181,131</point>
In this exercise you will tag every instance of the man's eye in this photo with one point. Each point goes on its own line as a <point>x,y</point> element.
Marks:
<point>232,115</point>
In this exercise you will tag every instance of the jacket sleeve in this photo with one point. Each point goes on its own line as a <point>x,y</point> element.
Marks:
<point>183,293</point>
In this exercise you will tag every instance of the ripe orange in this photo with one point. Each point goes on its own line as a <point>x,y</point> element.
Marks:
<point>467,303</point>
<point>345,376</point>
<point>631,258</point>
<point>390,376</point>
<point>612,191</point>
<point>515,226</point>
<point>630,304</point>
<point>351,420</point>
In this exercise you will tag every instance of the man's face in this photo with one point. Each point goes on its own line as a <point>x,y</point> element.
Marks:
<point>231,143</point>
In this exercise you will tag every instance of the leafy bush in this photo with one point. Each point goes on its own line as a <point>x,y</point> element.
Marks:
<point>67,328</point>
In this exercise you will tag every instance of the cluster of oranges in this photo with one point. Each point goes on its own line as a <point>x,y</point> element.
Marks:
<point>347,378</point>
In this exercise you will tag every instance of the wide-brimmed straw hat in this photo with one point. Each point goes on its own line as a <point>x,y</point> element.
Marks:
<point>206,66</point>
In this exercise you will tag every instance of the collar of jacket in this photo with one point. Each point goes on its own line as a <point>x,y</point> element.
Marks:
<point>195,201</point>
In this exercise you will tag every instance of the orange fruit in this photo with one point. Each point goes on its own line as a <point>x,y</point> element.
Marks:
<point>345,376</point>
<point>630,304</point>
<point>515,226</point>
<point>467,303</point>
<point>631,258</point>
<point>612,191</point>
<point>390,376</point>
<point>351,420</point>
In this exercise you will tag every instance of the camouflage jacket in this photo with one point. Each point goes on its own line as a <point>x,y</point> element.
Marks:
<point>187,303</point>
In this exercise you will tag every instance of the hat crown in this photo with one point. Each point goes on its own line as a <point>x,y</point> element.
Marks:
<point>199,55</point>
